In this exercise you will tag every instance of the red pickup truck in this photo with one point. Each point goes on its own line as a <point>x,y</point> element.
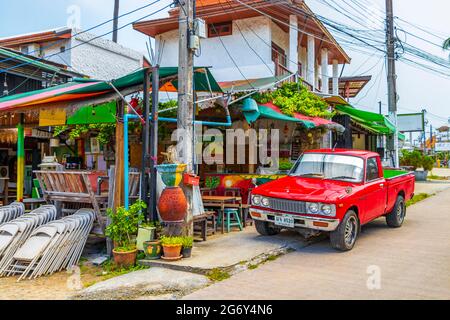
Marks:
<point>335,191</point>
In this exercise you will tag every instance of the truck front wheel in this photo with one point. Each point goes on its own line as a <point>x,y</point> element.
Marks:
<point>265,229</point>
<point>344,237</point>
<point>395,218</point>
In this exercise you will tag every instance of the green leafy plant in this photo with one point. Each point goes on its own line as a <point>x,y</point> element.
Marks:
<point>427,163</point>
<point>188,242</point>
<point>285,165</point>
<point>104,131</point>
<point>212,182</point>
<point>294,97</point>
<point>124,225</point>
<point>171,241</point>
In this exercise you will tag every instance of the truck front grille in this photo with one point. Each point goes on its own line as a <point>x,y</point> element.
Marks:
<point>287,205</point>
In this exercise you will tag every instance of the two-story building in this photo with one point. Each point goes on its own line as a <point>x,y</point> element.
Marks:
<point>256,39</point>
<point>82,52</point>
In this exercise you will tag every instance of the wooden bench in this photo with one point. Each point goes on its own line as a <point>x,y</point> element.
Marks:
<point>70,187</point>
<point>202,221</point>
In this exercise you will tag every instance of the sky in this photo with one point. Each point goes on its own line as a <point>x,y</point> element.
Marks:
<point>417,89</point>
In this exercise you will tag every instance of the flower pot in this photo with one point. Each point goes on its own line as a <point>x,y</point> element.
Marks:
<point>171,174</point>
<point>172,205</point>
<point>186,252</point>
<point>144,234</point>
<point>125,259</point>
<point>421,175</point>
<point>172,251</point>
<point>152,249</point>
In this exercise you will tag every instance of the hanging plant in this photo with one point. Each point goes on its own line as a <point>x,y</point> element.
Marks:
<point>293,98</point>
<point>105,131</point>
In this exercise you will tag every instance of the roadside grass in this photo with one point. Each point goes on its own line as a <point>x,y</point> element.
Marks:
<point>218,274</point>
<point>417,198</point>
<point>434,177</point>
<point>91,274</point>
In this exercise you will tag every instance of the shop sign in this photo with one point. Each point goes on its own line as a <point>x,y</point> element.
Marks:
<point>52,117</point>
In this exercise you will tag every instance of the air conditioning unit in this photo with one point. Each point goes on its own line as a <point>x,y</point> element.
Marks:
<point>4,172</point>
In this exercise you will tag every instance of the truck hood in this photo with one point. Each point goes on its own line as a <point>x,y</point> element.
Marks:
<point>304,189</point>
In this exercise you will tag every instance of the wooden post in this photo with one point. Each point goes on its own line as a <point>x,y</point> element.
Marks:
<point>186,102</point>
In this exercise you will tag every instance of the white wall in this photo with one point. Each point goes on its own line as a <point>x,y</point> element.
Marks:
<point>280,38</point>
<point>214,55</point>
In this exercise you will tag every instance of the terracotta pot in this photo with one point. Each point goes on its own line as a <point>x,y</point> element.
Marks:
<point>125,259</point>
<point>172,205</point>
<point>152,249</point>
<point>172,251</point>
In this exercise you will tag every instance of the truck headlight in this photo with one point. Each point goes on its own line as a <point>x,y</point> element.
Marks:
<point>256,200</point>
<point>313,207</point>
<point>265,202</point>
<point>327,209</point>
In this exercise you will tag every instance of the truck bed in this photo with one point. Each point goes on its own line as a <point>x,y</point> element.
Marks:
<point>393,173</point>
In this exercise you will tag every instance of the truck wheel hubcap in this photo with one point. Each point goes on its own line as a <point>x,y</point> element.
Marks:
<point>400,212</point>
<point>350,231</point>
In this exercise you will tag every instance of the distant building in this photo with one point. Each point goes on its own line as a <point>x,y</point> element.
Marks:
<point>81,52</point>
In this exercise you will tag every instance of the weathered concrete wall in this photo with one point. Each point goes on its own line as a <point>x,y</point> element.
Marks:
<point>257,33</point>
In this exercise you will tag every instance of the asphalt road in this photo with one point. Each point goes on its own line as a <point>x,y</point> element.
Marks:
<point>412,262</point>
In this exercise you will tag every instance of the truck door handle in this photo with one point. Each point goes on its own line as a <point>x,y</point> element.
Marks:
<point>381,185</point>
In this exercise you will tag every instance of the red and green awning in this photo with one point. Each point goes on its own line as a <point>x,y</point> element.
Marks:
<point>84,89</point>
<point>271,111</point>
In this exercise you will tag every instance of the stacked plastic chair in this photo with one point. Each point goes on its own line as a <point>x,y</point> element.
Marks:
<point>12,211</point>
<point>52,247</point>
<point>14,233</point>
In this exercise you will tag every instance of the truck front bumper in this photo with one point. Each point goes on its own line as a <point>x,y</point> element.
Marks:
<point>301,221</point>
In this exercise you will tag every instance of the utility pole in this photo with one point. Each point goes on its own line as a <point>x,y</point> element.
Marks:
<point>116,20</point>
<point>379,107</point>
<point>186,100</point>
<point>391,77</point>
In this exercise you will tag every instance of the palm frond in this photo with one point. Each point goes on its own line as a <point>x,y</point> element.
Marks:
<point>446,44</point>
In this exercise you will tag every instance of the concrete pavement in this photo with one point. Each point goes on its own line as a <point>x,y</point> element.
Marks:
<point>412,262</point>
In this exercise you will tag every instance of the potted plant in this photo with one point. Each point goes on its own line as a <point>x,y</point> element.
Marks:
<point>171,247</point>
<point>415,159</point>
<point>122,230</point>
<point>146,232</point>
<point>186,250</point>
<point>152,247</point>
<point>427,165</point>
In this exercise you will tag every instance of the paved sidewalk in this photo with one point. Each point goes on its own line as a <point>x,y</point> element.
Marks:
<point>413,263</point>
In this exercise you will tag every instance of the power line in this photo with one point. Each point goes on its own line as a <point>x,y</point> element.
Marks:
<point>84,31</point>
<point>90,40</point>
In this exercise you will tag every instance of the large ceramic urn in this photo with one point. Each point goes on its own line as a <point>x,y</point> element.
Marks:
<point>172,203</point>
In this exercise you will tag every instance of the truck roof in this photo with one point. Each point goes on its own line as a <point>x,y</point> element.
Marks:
<point>348,152</point>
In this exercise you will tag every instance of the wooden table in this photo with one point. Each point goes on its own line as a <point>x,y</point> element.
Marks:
<point>223,202</point>
<point>5,191</point>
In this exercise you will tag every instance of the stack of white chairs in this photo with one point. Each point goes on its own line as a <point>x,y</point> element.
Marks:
<point>52,247</point>
<point>12,211</point>
<point>14,233</point>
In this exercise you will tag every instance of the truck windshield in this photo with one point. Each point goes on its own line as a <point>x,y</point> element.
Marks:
<point>329,166</point>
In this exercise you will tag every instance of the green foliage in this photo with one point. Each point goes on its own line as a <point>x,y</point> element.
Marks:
<point>417,198</point>
<point>171,241</point>
<point>294,97</point>
<point>416,159</point>
<point>124,224</point>
<point>188,242</point>
<point>285,165</point>
<point>427,163</point>
<point>104,131</point>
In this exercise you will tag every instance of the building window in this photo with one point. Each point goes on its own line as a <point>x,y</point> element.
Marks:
<point>279,58</point>
<point>220,29</point>
<point>24,49</point>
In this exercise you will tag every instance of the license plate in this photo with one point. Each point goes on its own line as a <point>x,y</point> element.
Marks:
<point>284,221</point>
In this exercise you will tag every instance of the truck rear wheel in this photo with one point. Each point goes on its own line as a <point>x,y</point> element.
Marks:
<point>395,218</point>
<point>265,229</point>
<point>344,237</point>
